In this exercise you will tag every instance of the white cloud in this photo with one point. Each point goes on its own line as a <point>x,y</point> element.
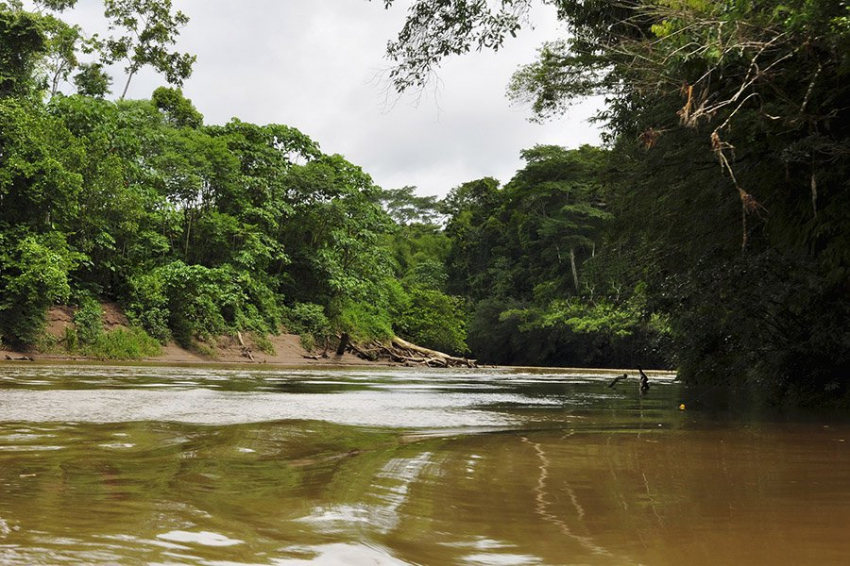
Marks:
<point>317,65</point>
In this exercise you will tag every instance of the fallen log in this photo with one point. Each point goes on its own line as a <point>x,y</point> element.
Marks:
<point>433,354</point>
<point>401,351</point>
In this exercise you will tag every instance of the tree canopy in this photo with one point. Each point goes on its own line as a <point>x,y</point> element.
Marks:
<point>727,174</point>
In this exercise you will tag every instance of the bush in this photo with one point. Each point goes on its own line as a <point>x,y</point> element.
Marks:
<point>88,321</point>
<point>155,321</point>
<point>308,342</point>
<point>365,322</point>
<point>435,320</point>
<point>307,318</point>
<point>264,344</point>
<point>71,341</point>
<point>189,301</point>
<point>120,344</point>
<point>33,276</point>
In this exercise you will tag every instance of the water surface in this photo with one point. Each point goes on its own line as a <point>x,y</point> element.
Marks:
<point>213,466</point>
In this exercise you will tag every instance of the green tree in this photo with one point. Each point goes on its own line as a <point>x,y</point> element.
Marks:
<point>150,29</point>
<point>474,233</point>
<point>22,45</point>
<point>62,41</point>
<point>558,210</point>
<point>179,110</point>
<point>334,235</point>
<point>434,320</point>
<point>405,207</point>
<point>91,80</point>
<point>33,275</point>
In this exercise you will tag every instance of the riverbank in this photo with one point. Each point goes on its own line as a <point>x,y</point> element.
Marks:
<point>286,350</point>
<point>292,357</point>
<point>282,350</point>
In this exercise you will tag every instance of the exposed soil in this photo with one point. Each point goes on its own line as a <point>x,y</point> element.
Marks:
<point>58,319</point>
<point>226,349</point>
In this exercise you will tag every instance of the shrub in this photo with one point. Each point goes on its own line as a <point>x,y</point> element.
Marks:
<point>307,318</point>
<point>33,275</point>
<point>264,344</point>
<point>131,344</point>
<point>189,301</point>
<point>308,342</point>
<point>88,321</point>
<point>435,320</point>
<point>365,322</point>
<point>71,341</point>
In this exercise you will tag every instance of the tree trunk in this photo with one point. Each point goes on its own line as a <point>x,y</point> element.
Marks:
<point>127,84</point>
<point>343,344</point>
<point>188,215</point>
<point>573,267</point>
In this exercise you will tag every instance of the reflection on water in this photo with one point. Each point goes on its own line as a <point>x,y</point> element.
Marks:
<point>104,465</point>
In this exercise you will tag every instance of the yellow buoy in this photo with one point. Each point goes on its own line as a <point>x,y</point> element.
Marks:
<point>682,407</point>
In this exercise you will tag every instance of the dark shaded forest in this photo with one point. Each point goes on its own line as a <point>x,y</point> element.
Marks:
<point>710,234</point>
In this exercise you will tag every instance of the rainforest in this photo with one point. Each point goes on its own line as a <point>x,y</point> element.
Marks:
<point>709,234</point>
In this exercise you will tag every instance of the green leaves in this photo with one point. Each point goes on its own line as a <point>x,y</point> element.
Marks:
<point>44,51</point>
<point>405,207</point>
<point>193,301</point>
<point>197,230</point>
<point>178,109</point>
<point>150,28</point>
<point>435,30</point>
<point>333,234</point>
<point>727,123</point>
<point>434,320</point>
<point>33,275</point>
<point>22,43</point>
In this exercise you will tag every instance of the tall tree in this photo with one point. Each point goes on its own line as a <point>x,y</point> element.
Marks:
<point>150,29</point>
<point>558,205</point>
<point>406,207</point>
<point>22,45</point>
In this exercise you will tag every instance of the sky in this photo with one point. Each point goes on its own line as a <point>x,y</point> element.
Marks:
<point>320,66</point>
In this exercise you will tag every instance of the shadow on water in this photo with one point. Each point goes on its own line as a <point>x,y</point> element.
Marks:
<point>405,468</point>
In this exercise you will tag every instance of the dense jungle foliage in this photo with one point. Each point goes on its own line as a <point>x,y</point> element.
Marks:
<point>196,230</point>
<point>709,235</point>
<point>726,179</point>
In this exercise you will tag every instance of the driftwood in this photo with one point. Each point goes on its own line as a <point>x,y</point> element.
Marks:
<point>246,351</point>
<point>360,352</point>
<point>401,351</point>
<point>434,357</point>
<point>617,380</point>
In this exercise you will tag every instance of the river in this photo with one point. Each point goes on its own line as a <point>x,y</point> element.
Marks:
<point>236,466</point>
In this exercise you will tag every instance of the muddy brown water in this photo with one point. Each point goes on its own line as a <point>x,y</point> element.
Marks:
<point>216,466</point>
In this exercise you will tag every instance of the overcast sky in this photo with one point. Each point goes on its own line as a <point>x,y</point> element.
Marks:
<point>318,65</point>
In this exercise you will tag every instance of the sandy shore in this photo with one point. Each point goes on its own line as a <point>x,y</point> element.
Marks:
<point>287,352</point>
<point>226,349</point>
